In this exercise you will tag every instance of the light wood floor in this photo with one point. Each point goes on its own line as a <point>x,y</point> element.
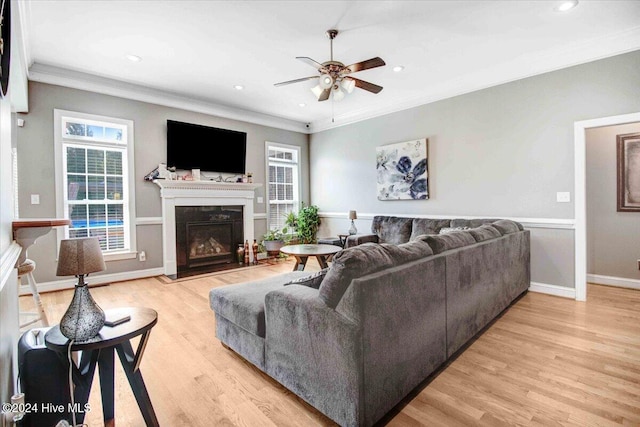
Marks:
<point>548,361</point>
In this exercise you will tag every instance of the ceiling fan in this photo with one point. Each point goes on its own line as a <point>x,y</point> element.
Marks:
<point>335,76</point>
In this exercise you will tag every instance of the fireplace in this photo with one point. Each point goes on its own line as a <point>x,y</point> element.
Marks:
<point>207,237</point>
<point>228,215</point>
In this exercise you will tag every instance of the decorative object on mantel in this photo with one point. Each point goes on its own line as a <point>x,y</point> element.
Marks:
<point>79,257</point>
<point>402,170</point>
<point>628,156</point>
<point>353,215</point>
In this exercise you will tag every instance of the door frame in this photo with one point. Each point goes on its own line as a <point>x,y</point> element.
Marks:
<point>580,191</point>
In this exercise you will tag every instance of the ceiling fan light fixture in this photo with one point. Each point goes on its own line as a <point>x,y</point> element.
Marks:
<point>326,81</point>
<point>348,85</point>
<point>338,95</point>
<point>317,91</point>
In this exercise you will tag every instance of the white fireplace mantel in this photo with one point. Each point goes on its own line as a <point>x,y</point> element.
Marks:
<point>200,193</point>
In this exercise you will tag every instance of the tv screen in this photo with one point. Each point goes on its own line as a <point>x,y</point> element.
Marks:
<point>191,146</point>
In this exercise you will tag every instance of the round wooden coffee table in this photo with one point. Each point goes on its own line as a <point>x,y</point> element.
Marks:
<point>303,252</point>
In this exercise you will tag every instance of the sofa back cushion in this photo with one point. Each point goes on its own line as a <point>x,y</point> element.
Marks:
<point>485,232</point>
<point>391,229</point>
<point>422,226</point>
<point>364,259</point>
<point>444,242</point>
<point>506,226</point>
<point>472,223</point>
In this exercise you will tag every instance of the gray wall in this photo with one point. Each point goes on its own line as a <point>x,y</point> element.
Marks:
<point>613,247</point>
<point>503,151</point>
<point>36,163</point>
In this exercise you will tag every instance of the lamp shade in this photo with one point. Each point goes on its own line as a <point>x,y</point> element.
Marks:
<point>80,256</point>
<point>326,81</point>
<point>353,215</point>
<point>348,84</point>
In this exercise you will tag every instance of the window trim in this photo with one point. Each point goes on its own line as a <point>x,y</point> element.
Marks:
<point>298,196</point>
<point>59,140</point>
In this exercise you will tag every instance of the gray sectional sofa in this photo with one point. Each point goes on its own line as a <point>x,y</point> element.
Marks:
<point>354,339</point>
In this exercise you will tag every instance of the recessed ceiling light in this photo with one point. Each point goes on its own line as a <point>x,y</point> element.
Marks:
<point>133,58</point>
<point>398,68</point>
<point>302,104</point>
<point>238,87</point>
<point>566,5</point>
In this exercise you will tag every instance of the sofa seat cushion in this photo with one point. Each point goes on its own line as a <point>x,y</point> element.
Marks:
<point>422,226</point>
<point>243,303</point>
<point>391,229</point>
<point>448,241</point>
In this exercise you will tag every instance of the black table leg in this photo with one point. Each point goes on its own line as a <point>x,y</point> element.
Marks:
<point>82,378</point>
<point>301,262</point>
<point>322,260</point>
<point>129,361</point>
<point>107,383</point>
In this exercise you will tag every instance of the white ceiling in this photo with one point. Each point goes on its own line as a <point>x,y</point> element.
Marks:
<point>194,52</point>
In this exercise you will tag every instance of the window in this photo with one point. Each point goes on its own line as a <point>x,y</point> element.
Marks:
<point>284,183</point>
<point>94,163</point>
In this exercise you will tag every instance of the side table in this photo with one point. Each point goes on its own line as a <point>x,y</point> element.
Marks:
<point>99,351</point>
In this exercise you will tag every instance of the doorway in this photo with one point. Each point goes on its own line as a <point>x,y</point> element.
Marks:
<point>580,191</point>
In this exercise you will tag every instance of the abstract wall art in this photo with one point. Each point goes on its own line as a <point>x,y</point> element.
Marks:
<point>402,170</point>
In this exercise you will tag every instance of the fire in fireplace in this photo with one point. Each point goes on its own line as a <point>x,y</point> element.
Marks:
<point>206,237</point>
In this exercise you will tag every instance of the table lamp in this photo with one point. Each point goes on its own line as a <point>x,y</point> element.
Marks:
<point>353,215</point>
<point>79,257</point>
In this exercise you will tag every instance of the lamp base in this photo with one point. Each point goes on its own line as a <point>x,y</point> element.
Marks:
<point>353,229</point>
<point>84,318</point>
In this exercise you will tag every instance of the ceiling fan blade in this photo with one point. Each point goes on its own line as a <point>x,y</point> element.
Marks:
<point>296,81</point>
<point>365,65</point>
<point>313,63</point>
<point>366,85</point>
<point>324,95</point>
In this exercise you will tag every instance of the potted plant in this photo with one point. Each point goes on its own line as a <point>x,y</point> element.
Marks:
<point>308,222</point>
<point>274,239</point>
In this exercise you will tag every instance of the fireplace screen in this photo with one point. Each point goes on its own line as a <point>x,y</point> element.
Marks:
<point>207,237</point>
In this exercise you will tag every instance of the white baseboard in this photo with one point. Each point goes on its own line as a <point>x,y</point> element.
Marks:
<point>559,291</point>
<point>102,279</point>
<point>621,282</point>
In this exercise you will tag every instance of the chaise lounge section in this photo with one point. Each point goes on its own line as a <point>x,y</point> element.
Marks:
<point>354,339</point>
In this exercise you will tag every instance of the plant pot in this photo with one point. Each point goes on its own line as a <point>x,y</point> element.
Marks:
<point>273,246</point>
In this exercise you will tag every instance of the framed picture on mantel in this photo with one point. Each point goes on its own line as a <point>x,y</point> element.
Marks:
<point>628,147</point>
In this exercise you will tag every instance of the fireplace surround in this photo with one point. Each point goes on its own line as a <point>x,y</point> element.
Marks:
<point>230,203</point>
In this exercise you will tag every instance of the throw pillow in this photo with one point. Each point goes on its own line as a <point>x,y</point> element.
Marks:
<point>313,281</point>
<point>444,242</point>
<point>506,226</point>
<point>485,232</point>
<point>445,230</point>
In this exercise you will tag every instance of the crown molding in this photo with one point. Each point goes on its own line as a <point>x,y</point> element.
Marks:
<point>519,68</point>
<point>78,80</point>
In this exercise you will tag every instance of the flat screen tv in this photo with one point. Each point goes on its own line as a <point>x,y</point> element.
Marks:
<point>192,146</point>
